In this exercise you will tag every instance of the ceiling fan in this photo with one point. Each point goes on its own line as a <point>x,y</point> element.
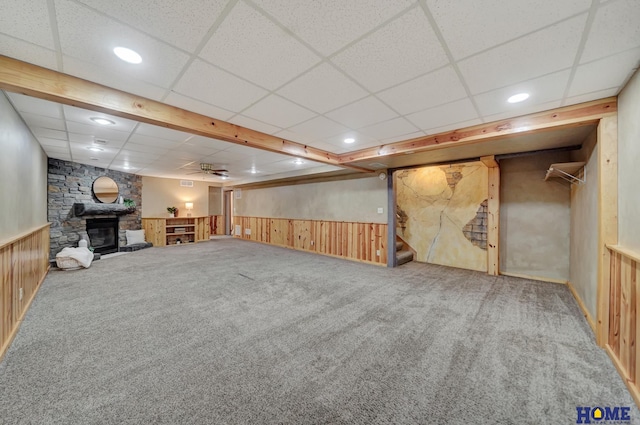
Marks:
<point>208,169</point>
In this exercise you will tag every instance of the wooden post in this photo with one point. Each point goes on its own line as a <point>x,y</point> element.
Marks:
<point>493,216</point>
<point>607,218</point>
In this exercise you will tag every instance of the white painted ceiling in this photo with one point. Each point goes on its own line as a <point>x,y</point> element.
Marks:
<point>315,72</point>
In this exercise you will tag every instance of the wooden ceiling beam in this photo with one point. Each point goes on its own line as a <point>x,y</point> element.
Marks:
<point>25,78</point>
<point>574,115</point>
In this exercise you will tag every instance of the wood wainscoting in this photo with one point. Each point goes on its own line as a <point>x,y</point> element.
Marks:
<point>24,261</point>
<point>354,241</point>
<point>623,316</point>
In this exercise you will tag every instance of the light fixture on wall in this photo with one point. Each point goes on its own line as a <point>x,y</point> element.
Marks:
<point>189,207</point>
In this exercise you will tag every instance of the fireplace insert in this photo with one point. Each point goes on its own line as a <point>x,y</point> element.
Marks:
<point>103,234</point>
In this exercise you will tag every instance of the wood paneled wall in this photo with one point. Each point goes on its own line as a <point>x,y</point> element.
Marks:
<point>24,262</point>
<point>216,224</point>
<point>623,316</point>
<point>354,241</point>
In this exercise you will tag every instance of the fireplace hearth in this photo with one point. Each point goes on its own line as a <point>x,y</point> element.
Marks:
<point>103,234</point>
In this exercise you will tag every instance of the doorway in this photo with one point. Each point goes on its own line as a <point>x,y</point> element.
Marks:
<point>228,212</point>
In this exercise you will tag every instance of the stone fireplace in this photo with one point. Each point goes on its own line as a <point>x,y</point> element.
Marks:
<point>103,234</point>
<point>70,183</point>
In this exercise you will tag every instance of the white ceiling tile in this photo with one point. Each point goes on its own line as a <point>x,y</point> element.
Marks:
<point>27,20</point>
<point>322,89</point>
<point>331,24</point>
<point>469,29</point>
<point>62,156</point>
<point>362,113</point>
<point>254,124</point>
<point>601,94</point>
<point>106,77</point>
<point>197,106</point>
<point>34,105</point>
<point>83,116</point>
<point>530,109</point>
<point>454,126</point>
<point>134,147</point>
<point>246,38</point>
<point>181,23</point>
<point>546,51</point>
<point>278,111</point>
<point>399,51</point>
<point>88,139</point>
<point>55,150</point>
<point>541,90</point>
<point>225,157</point>
<point>162,132</point>
<point>360,141</point>
<point>49,133</point>
<point>81,150</point>
<point>97,132</point>
<point>27,52</point>
<point>132,156</point>
<point>91,36</point>
<point>606,73</point>
<point>436,88</point>
<point>55,143</point>
<point>615,29</point>
<point>152,141</point>
<point>401,138</point>
<point>319,128</point>
<point>387,129</point>
<point>209,143</point>
<point>212,85</point>
<point>461,110</point>
<point>34,120</point>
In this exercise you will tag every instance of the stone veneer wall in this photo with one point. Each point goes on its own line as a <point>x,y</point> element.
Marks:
<point>70,182</point>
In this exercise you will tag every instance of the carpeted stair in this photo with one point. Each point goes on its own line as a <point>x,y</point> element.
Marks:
<point>402,255</point>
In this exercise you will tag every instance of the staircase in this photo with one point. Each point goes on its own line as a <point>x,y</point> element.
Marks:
<point>403,255</point>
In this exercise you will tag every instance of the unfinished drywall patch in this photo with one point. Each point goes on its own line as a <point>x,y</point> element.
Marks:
<point>535,217</point>
<point>628,154</point>
<point>352,200</point>
<point>436,206</point>
<point>23,175</point>
<point>584,228</point>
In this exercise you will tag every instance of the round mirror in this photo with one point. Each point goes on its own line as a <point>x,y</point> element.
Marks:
<point>105,189</point>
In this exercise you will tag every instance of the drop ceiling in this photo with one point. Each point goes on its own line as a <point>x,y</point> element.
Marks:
<point>312,72</point>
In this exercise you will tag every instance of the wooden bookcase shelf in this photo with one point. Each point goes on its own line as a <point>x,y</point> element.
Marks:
<point>176,230</point>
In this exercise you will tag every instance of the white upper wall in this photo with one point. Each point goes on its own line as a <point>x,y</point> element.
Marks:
<point>628,156</point>
<point>354,200</point>
<point>23,175</point>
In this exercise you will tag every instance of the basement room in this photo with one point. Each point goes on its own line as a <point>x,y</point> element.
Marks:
<point>251,211</point>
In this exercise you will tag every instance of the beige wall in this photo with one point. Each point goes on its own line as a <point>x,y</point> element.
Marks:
<point>535,218</point>
<point>628,156</point>
<point>355,200</point>
<point>437,210</point>
<point>584,228</point>
<point>23,175</point>
<point>158,194</point>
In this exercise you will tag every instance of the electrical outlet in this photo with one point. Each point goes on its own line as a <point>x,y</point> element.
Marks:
<point>378,252</point>
<point>380,210</point>
<point>312,243</point>
<point>21,294</point>
<point>247,231</point>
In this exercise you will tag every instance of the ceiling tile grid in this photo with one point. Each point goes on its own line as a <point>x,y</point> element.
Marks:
<point>314,72</point>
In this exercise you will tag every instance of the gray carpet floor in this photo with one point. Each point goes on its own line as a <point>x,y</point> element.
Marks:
<point>233,332</point>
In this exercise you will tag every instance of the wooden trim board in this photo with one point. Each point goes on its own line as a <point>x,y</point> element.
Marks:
<point>583,307</point>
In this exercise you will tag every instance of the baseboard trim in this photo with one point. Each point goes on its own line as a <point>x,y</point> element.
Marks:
<point>16,328</point>
<point>583,307</point>
<point>538,278</point>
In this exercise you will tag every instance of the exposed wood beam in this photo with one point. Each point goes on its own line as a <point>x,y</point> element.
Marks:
<point>575,115</point>
<point>25,78</point>
<point>493,222</point>
<point>489,161</point>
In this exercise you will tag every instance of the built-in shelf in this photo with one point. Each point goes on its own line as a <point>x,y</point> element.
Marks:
<point>176,230</point>
<point>567,171</point>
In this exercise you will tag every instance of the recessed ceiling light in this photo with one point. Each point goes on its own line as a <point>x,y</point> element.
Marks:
<point>518,97</point>
<point>225,177</point>
<point>95,149</point>
<point>102,121</point>
<point>298,161</point>
<point>127,55</point>
<point>349,140</point>
<point>253,171</point>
